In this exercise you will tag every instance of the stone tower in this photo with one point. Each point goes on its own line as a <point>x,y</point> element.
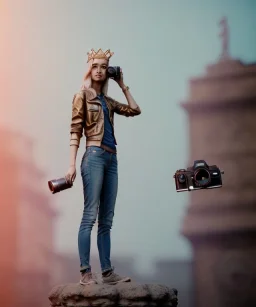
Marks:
<point>221,223</point>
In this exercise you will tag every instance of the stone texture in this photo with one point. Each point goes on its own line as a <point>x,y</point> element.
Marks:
<point>123,294</point>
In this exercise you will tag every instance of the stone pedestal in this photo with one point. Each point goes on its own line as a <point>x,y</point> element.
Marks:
<point>123,294</point>
<point>221,223</point>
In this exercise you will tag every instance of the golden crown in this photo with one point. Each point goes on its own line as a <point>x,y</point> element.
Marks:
<point>99,54</point>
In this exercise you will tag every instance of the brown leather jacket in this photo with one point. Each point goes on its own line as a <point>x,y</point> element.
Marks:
<point>88,117</point>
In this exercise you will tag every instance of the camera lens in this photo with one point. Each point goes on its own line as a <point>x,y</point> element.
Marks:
<point>111,71</point>
<point>114,72</point>
<point>50,185</point>
<point>181,178</point>
<point>202,177</point>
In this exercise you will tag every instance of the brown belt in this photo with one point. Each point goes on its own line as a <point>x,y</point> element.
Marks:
<point>111,150</point>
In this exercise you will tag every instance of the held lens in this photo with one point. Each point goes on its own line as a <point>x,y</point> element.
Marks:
<point>58,185</point>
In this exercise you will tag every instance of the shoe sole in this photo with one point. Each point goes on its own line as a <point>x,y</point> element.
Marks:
<point>119,281</point>
<point>87,283</point>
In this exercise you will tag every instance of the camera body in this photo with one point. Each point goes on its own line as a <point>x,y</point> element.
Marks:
<point>114,72</point>
<point>199,176</point>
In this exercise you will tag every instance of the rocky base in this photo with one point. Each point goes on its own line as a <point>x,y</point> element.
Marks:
<point>122,295</point>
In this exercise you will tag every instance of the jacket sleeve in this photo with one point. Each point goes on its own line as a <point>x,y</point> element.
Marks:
<point>77,120</point>
<point>124,109</point>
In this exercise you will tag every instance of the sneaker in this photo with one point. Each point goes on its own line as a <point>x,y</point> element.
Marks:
<point>87,279</point>
<point>113,278</point>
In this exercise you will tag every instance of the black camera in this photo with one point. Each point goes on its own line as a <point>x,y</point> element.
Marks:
<point>114,72</point>
<point>199,176</point>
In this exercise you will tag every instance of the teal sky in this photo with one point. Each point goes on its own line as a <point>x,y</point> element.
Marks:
<point>159,45</point>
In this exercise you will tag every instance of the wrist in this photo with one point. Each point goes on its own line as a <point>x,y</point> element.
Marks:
<point>125,88</point>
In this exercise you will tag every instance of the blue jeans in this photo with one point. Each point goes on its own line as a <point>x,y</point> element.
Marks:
<point>100,183</point>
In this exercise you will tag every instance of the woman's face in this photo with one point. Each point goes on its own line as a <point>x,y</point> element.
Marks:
<point>99,70</point>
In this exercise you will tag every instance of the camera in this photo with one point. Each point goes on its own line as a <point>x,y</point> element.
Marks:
<point>57,185</point>
<point>114,72</point>
<point>199,176</point>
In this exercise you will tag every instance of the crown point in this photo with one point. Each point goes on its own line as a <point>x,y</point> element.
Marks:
<point>99,54</point>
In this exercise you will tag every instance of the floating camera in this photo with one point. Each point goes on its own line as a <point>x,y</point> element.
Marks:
<point>199,176</point>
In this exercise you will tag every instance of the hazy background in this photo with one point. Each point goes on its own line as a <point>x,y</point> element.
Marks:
<point>159,45</point>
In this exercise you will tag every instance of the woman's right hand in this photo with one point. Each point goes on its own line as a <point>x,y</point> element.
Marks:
<point>71,174</point>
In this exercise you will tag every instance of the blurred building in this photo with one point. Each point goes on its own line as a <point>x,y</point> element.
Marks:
<point>176,274</point>
<point>26,226</point>
<point>221,223</point>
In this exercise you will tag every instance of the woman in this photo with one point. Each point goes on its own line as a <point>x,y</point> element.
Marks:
<point>93,113</point>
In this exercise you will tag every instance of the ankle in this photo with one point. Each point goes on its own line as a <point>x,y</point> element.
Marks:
<point>88,270</point>
<point>107,273</point>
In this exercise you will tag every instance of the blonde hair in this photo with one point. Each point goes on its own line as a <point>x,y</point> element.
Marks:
<point>87,82</point>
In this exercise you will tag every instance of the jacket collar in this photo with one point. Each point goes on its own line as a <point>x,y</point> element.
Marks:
<point>91,94</point>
